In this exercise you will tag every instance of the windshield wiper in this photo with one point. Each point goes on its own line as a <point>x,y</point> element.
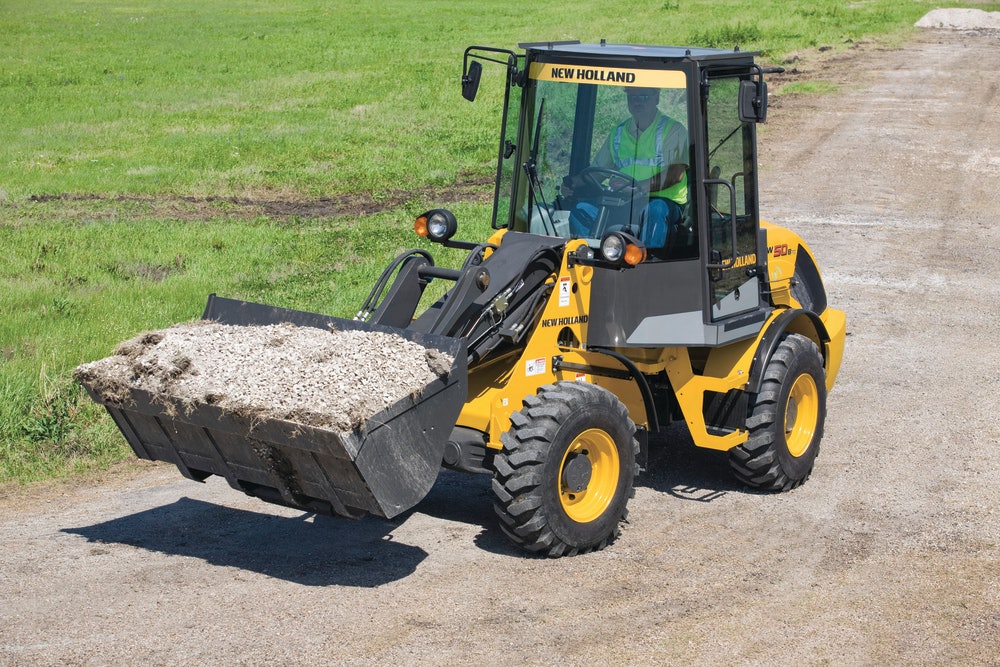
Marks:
<point>535,190</point>
<point>727,138</point>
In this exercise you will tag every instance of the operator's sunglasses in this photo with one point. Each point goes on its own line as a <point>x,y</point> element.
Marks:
<point>639,97</point>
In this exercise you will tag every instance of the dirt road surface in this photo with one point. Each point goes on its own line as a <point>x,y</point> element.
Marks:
<point>888,555</point>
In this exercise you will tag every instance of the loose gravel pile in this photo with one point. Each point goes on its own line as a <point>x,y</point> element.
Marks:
<point>960,19</point>
<point>325,378</point>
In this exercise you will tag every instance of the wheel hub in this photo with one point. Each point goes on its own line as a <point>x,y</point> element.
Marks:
<point>791,414</point>
<point>577,472</point>
<point>801,415</point>
<point>588,476</point>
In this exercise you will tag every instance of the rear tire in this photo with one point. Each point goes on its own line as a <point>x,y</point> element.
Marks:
<point>566,471</point>
<point>786,420</point>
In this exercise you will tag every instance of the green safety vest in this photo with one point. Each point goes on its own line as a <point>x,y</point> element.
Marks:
<point>645,160</point>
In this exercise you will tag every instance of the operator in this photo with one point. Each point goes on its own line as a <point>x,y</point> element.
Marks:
<point>650,148</point>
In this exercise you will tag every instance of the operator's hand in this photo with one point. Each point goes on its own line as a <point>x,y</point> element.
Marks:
<point>617,182</point>
<point>569,185</point>
<point>625,185</point>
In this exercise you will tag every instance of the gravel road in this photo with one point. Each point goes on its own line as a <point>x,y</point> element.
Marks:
<point>889,554</point>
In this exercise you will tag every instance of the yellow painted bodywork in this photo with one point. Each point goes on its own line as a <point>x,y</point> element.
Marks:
<point>498,386</point>
<point>783,244</point>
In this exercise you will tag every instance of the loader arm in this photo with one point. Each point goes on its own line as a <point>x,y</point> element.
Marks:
<point>495,300</point>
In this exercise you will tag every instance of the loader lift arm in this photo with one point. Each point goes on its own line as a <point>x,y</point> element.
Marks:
<point>495,300</point>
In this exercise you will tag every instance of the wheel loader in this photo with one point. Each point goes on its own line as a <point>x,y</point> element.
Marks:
<point>587,322</point>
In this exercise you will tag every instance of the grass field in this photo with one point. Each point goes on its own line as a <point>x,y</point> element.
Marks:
<point>131,130</point>
<point>314,97</point>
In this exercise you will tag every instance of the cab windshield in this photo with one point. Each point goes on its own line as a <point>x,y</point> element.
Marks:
<point>608,149</point>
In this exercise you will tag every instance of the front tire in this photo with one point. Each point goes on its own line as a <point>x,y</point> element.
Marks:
<point>567,470</point>
<point>786,419</point>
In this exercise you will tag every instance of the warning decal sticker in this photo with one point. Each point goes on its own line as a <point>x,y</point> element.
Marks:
<point>534,366</point>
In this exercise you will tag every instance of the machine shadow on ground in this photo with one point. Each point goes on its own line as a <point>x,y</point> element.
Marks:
<point>679,468</point>
<point>306,549</point>
<point>320,551</point>
<point>676,467</point>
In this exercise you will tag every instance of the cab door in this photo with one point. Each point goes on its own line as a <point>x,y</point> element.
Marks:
<point>731,196</point>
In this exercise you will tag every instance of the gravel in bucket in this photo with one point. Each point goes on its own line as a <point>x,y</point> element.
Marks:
<point>325,378</point>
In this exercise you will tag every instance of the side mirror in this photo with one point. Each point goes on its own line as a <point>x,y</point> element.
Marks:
<point>753,101</point>
<point>470,80</point>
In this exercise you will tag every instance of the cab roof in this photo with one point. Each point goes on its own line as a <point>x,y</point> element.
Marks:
<point>635,51</point>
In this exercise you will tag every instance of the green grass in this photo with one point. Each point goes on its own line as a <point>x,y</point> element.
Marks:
<point>809,87</point>
<point>72,288</point>
<point>311,97</point>
<point>136,108</point>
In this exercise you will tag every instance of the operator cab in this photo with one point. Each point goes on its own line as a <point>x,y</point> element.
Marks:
<point>598,136</point>
<point>656,145</point>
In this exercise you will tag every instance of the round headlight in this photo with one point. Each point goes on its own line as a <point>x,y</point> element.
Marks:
<point>437,226</point>
<point>613,247</point>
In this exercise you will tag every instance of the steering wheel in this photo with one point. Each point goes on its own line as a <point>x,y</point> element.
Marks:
<point>594,177</point>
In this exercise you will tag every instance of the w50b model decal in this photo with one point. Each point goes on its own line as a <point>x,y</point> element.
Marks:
<point>781,250</point>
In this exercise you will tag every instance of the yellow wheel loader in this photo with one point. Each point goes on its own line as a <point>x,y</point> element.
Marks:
<point>628,284</point>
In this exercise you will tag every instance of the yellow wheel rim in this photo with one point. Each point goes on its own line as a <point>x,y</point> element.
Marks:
<point>801,415</point>
<point>588,476</point>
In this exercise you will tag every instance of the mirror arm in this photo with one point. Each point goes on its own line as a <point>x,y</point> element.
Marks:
<point>472,68</point>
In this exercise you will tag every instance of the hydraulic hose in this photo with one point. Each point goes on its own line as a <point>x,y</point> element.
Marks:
<point>375,296</point>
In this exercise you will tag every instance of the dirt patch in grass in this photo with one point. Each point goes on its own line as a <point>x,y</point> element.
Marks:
<point>273,205</point>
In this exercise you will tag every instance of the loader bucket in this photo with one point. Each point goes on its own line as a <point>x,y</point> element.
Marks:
<point>385,466</point>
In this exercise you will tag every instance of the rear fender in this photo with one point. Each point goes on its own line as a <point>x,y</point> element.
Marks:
<point>795,320</point>
<point>795,284</point>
